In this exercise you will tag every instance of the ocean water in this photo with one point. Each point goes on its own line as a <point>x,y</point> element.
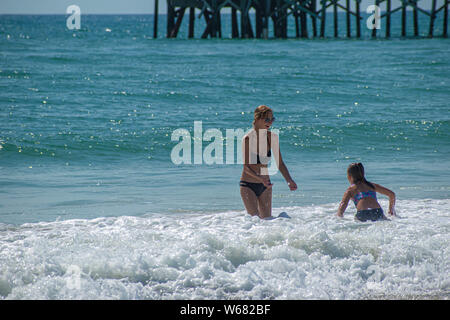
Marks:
<point>92,205</point>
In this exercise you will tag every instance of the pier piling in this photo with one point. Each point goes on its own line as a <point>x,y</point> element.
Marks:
<point>445,7</point>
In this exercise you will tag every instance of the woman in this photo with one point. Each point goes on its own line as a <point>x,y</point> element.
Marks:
<point>364,196</point>
<point>255,185</point>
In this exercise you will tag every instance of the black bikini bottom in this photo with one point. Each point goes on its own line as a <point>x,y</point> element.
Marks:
<point>257,188</point>
<point>371,214</point>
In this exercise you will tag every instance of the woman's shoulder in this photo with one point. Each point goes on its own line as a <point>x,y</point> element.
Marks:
<point>272,135</point>
<point>249,134</point>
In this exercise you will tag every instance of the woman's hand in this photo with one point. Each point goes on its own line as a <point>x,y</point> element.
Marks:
<point>266,182</point>
<point>292,185</point>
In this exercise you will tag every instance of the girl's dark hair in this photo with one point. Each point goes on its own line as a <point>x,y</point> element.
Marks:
<point>356,171</point>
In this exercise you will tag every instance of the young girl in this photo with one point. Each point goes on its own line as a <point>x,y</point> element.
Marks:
<point>363,194</point>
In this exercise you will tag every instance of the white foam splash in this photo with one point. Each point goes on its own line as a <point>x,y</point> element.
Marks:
<point>231,255</point>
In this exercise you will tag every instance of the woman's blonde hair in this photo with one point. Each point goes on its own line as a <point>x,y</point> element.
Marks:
<point>261,112</point>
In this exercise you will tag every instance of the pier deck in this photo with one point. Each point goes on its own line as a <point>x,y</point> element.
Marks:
<point>277,12</point>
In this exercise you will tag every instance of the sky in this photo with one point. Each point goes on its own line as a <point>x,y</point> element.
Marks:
<point>122,6</point>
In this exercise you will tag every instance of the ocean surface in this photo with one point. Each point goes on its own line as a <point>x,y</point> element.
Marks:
<point>93,206</point>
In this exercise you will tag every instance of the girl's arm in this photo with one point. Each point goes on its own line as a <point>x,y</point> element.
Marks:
<point>344,203</point>
<point>390,194</point>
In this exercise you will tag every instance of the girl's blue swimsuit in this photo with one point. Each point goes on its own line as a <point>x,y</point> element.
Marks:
<point>361,195</point>
<point>368,214</point>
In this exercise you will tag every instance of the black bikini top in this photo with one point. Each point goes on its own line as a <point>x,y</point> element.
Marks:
<point>269,153</point>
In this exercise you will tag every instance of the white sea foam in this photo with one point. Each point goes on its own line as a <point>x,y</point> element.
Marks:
<point>230,255</point>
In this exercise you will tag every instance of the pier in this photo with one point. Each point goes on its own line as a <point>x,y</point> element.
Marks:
<point>276,12</point>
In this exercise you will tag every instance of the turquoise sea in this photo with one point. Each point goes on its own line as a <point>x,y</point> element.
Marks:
<point>92,205</point>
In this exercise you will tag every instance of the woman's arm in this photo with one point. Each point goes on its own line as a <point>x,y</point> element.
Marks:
<point>280,163</point>
<point>344,203</point>
<point>252,173</point>
<point>390,194</point>
<point>285,172</point>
